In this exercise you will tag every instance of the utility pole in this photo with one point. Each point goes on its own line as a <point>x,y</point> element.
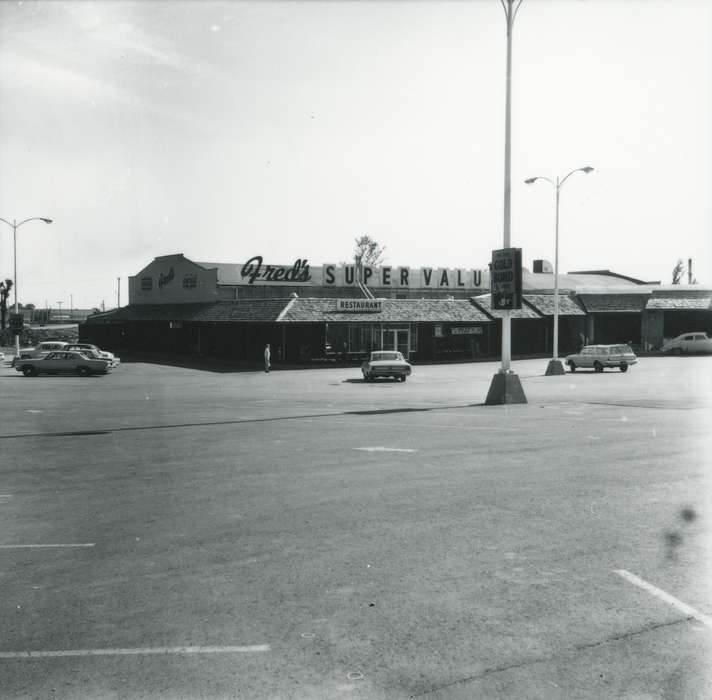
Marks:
<point>118,292</point>
<point>71,306</point>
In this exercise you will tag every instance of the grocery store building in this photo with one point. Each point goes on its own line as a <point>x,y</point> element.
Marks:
<point>178,306</point>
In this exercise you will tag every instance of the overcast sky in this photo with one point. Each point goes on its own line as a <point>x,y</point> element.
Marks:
<point>224,130</point>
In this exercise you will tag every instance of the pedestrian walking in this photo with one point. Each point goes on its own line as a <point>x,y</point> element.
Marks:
<point>268,355</point>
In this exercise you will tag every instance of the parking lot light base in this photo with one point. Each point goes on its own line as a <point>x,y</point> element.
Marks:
<point>554,367</point>
<point>505,389</point>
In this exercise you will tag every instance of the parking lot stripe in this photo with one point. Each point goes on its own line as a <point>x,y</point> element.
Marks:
<point>139,651</point>
<point>41,546</point>
<point>385,449</point>
<point>684,608</point>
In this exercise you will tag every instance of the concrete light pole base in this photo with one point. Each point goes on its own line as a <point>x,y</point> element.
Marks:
<point>554,367</point>
<point>505,388</point>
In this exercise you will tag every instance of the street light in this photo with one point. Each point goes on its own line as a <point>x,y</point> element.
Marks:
<point>15,225</point>
<point>505,386</point>
<point>555,366</point>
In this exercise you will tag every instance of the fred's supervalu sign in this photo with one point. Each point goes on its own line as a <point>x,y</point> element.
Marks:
<point>256,272</point>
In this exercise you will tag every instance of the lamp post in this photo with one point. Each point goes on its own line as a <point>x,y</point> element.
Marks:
<point>506,387</point>
<point>555,366</point>
<point>15,225</point>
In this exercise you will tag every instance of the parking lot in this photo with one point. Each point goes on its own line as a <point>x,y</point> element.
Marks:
<point>170,532</point>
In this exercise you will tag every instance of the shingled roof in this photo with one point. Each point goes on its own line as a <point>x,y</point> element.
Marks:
<point>613,303</point>
<point>683,299</point>
<point>392,311</point>
<point>247,310</point>
<point>544,304</point>
<point>484,302</point>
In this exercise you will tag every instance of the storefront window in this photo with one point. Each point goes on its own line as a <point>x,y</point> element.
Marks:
<point>365,337</point>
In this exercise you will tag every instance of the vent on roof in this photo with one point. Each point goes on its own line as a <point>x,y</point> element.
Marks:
<point>543,266</point>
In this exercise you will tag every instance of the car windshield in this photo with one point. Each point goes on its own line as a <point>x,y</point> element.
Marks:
<point>378,356</point>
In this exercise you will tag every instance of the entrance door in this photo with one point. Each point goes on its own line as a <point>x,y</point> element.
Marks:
<point>396,340</point>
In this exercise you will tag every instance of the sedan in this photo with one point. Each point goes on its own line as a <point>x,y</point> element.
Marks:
<point>600,356</point>
<point>689,343</point>
<point>62,362</point>
<point>386,363</point>
<point>93,350</point>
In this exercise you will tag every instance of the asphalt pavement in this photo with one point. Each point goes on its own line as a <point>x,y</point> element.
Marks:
<point>177,533</point>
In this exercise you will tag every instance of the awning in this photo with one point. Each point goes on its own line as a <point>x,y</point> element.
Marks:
<point>484,302</point>
<point>304,310</point>
<point>614,303</point>
<point>544,304</point>
<point>680,302</point>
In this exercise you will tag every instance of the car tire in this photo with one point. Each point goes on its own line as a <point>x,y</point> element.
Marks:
<point>572,366</point>
<point>598,366</point>
<point>676,351</point>
<point>403,377</point>
<point>624,366</point>
<point>366,377</point>
<point>29,371</point>
<point>83,371</point>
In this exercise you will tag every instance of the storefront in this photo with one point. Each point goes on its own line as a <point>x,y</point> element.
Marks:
<point>298,329</point>
<point>328,312</point>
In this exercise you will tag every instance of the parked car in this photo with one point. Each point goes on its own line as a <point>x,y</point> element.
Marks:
<point>689,343</point>
<point>601,356</point>
<point>386,363</point>
<point>105,354</point>
<point>60,362</point>
<point>43,348</point>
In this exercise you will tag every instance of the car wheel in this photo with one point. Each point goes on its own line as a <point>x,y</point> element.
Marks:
<point>403,377</point>
<point>83,371</point>
<point>676,351</point>
<point>366,377</point>
<point>572,366</point>
<point>29,371</point>
<point>598,366</point>
<point>624,366</point>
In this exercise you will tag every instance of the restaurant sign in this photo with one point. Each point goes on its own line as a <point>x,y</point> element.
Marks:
<point>359,306</point>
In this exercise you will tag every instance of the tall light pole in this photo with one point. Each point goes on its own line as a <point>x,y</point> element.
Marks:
<point>15,225</point>
<point>555,366</point>
<point>506,387</point>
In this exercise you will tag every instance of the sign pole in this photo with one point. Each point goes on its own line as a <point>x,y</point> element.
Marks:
<point>506,387</point>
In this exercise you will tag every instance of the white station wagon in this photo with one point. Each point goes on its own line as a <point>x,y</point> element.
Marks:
<point>599,357</point>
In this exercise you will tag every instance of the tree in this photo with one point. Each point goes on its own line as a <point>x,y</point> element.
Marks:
<point>5,288</point>
<point>678,271</point>
<point>368,251</point>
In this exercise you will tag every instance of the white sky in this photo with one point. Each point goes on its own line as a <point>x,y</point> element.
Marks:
<point>223,130</point>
